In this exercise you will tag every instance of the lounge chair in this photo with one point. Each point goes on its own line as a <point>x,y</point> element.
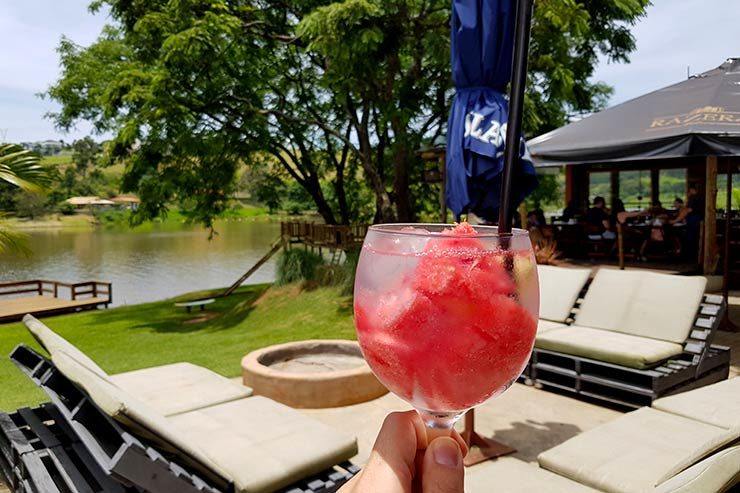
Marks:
<point>648,450</point>
<point>560,288</point>
<point>250,444</point>
<point>168,388</point>
<point>636,336</point>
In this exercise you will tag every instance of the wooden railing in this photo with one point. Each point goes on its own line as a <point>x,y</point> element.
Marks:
<point>324,235</point>
<point>74,291</point>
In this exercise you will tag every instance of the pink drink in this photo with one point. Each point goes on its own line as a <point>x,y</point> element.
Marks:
<point>447,320</point>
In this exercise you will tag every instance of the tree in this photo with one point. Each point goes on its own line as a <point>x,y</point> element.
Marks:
<point>85,153</point>
<point>334,92</point>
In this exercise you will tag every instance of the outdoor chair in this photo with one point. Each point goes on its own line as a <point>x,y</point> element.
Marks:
<point>170,389</point>
<point>560,288</point>
<point>247,444</point>
<point>636,336</point>
<point>689,449</point>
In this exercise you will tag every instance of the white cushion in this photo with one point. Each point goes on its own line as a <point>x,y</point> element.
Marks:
<point>718,472</point>
<point>635,452</point>
<point>546,326</point>
<point>262,444</point>
<point>604,345</point>
<point>51,341</point>
<point>136,414</point>
<point>256,443</point>
<point>717,404</point>
<point>646,304</point>
<point>179,387</point>
<point>559,290</point>
<point>510,475</point>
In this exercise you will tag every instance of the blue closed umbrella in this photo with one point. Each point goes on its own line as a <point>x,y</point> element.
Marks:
<point>482,50</point>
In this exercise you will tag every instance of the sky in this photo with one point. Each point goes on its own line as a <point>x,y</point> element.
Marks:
<point>675,35</point>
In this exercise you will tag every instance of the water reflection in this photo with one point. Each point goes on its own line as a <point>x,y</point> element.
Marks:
<point>147,266</point>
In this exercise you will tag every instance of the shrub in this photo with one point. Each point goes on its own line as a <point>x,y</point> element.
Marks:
<point>67,209</point>
<point>297,265</point>
<point>350,268</point>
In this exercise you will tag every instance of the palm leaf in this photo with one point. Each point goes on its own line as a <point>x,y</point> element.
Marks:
<point>12,241</point>
<point>22,168</point>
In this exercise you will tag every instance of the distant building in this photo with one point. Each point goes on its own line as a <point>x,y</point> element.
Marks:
<point>45,147</point>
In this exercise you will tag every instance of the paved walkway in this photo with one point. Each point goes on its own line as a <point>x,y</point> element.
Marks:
<point>528,419</point>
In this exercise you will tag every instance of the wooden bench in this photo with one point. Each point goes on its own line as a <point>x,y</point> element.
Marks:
<point>201,303</point>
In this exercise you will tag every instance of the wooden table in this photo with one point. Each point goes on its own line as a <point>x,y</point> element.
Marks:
<point>201,303</point>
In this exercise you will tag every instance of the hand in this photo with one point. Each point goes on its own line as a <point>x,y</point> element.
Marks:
<point>403,460</point>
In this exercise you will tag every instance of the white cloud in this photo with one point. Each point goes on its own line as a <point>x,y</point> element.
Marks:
<point>676,34</point>
<point>29,35</point>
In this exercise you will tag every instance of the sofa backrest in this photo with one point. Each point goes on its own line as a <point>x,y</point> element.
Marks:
<point>53,342</point>
<point>641,303</point>
<point>559,290</point>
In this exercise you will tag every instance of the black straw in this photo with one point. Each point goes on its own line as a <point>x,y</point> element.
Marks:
<point>516,104</point>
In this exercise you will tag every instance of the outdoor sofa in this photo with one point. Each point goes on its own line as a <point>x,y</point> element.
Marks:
<point>134,432</point>
<point>633,337</point>
<point>688,443</point>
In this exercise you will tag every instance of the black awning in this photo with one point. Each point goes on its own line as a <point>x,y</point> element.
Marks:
<point>697,117</point>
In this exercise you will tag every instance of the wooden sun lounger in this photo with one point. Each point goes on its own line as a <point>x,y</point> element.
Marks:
<point>699,363</point>
<point>122,456</point>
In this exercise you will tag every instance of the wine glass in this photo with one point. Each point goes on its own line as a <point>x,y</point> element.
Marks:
<point>446,318</point>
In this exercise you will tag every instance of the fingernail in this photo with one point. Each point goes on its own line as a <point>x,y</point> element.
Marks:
<point>446,452</point>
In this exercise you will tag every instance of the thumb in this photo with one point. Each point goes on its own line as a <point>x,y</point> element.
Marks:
<point>443,467</point>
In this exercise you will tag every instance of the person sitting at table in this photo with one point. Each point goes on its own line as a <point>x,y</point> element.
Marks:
<point>679,206</point>
<point>571,211</point>
<point>597,220</point>
<point>657,209</point>
<point>620,215</point>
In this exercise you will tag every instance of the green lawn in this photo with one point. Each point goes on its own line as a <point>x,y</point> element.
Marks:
<point>132,337</point>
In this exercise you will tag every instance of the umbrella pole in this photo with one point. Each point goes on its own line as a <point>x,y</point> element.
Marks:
<point>516,106</point>
<point>482,448</point>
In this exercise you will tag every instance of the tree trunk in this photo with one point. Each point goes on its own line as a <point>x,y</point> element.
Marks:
<point>313,187</point>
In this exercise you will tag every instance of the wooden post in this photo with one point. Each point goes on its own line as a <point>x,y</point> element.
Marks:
<point>523,215</point>
<point>620,245</point>
<point>569,183</point>
<point>727,324</point>
<point>654,186</point>
<point>442,189</point>
<point>614,185</point>
<point>710,215</point>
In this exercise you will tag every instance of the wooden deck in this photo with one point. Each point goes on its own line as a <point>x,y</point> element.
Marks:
<point>40,297</point>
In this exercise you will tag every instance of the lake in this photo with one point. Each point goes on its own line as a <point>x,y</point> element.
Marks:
<point>147,266</point>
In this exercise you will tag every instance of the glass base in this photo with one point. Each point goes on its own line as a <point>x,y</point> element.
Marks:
<point>440,421</point>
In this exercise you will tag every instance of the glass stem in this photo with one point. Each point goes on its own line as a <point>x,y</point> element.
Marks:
<point>438,424</point>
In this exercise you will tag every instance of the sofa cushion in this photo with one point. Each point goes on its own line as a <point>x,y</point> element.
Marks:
<point>611,347</point>
<point>136,414</point>
<point>559,290</point>
<point>262,444</point>
<point>646,304</point>
<point>179,387</point>
<point>717,404</point>
<point>718,472</point>
<point>635,452</point>
<point>510,475</point>
<point>51,341</point>
<point>546,326</point>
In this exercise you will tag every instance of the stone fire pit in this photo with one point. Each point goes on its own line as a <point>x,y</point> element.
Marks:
<point>311,374</point>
